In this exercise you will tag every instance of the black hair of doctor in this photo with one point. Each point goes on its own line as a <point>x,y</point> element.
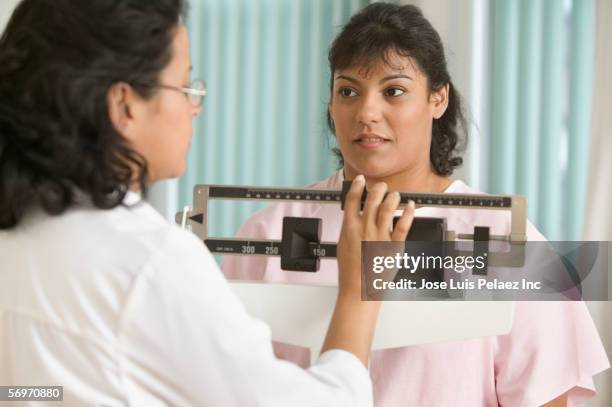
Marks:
<point>56,135</point>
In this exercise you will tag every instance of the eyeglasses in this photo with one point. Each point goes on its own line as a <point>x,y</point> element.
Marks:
<point>195,92</point>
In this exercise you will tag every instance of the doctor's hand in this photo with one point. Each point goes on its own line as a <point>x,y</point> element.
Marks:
<point>373,224</point>
<point>353,321</point>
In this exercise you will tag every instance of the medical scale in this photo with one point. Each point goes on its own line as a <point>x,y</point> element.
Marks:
<point>299,314</point>
<point>301,248</point>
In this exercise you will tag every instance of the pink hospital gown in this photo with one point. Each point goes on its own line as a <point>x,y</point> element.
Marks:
<point>552,348</point>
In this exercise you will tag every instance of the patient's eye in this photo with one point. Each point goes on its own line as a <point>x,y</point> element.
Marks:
<point>347,92</point>
<point>394,92</point>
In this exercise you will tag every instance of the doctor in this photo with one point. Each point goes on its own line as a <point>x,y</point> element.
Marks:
<point>98,293</point>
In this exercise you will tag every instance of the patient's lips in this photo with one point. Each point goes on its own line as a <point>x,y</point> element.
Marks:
<point>370,140</point>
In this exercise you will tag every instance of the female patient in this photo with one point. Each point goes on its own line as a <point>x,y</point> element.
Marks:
<point>397,118</point>
<point>98,293</point>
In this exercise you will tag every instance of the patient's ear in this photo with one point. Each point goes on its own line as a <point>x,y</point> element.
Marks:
<point>439,101</point>
<point>330,116</point>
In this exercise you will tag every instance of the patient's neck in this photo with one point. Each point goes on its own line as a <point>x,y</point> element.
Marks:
<point>412,180</point>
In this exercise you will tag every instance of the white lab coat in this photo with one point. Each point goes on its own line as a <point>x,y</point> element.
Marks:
<point>122,308</point>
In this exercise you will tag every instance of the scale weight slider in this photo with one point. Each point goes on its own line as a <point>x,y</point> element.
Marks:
<point>300,235</point>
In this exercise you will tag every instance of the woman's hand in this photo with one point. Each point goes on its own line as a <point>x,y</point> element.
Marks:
<point>374,224</point>
<point>352,324</point>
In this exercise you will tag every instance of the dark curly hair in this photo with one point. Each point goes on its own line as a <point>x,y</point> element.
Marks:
<point>58,60</point>
<point>380,29</point>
